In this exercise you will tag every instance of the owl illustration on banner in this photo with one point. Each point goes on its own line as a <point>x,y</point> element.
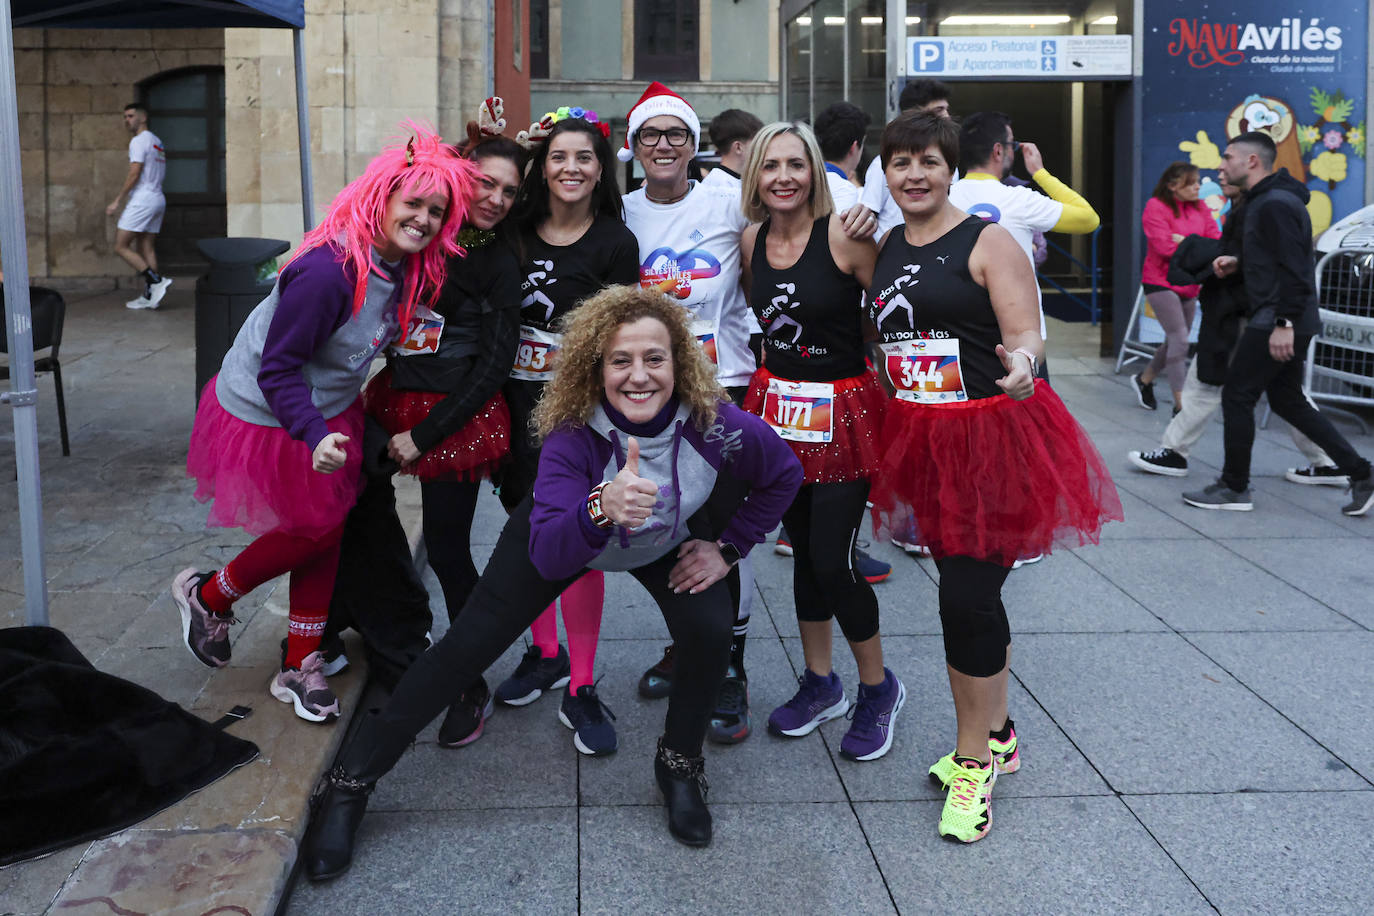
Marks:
<point>1274,117</point>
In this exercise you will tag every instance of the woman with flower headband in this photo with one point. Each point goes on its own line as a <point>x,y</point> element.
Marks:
<point>636,435</point>
<point>572,244</point>
<point>439,401</point>
<point>278,432</point>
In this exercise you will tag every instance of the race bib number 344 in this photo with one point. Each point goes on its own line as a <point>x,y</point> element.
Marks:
<point>534,358</point>
<point>925,371</point>
<point>800,411</point>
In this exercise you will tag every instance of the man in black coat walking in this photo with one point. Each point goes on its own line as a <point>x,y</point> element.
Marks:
<point>1279,272</point>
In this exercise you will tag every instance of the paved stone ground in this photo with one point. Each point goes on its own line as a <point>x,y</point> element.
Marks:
<point>1192,696</point>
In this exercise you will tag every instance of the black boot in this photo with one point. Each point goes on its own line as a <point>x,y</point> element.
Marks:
<point>682,780</point>
<point>339,809</point>
<point>334,825</point>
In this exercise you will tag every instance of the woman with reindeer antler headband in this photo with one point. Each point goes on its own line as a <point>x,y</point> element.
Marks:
<point>572,244</point>
<point>440,416</point>
<point>277,440</point>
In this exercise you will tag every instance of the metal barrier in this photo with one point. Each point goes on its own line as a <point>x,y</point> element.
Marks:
<point>1340,361</point>
<point>1144,333</point>
<point>1094,280</point>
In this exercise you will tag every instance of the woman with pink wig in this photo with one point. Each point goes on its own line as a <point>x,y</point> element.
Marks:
<point>277,439</point>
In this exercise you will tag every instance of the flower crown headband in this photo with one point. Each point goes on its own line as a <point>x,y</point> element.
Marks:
<point>538,131</point>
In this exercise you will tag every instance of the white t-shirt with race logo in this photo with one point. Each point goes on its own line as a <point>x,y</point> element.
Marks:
<point>146,148</point>
<point>842,191</point>
<point>690,250</point>
<point>1019,210</point>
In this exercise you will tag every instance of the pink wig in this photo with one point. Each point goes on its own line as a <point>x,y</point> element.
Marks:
<point>420,164</point>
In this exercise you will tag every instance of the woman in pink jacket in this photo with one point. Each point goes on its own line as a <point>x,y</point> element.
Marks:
<point>1172,212</point>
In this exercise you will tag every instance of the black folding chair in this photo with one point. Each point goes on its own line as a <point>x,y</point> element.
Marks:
<point>49,311</point>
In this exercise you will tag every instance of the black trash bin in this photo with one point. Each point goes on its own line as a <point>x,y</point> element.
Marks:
<point>227,294</point>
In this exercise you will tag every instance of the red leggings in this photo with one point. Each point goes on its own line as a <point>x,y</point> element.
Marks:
<point>312,563</point>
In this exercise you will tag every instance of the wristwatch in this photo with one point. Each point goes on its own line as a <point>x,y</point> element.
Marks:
<point>1282,323</point>
<point>729,553</point>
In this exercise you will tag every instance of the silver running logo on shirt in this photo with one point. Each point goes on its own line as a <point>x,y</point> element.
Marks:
<point>773,313</point>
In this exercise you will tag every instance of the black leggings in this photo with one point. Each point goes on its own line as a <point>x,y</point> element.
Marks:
<point>972,615</point>
<point>507,598</point>
<point>823,522</point>
<point>446,519</point>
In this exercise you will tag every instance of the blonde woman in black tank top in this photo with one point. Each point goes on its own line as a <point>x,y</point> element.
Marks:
<point>991,465</point>
<point>805,280</point>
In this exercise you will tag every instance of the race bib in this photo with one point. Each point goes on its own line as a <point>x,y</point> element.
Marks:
<point>925,371</point>
<point>800,411</point>
<point>705,332</point>
<point>422,334</point>
<point>534,357</point>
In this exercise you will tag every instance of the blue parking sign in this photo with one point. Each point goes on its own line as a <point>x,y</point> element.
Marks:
<point>927,57</point>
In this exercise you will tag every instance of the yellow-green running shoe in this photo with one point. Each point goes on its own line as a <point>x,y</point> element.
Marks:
<point>967,815</point>
<point>1005,756</point>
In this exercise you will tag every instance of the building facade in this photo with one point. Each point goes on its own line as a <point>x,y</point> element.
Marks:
<point>223,102</point>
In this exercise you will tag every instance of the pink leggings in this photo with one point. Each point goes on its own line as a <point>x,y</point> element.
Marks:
<point>581,622</point>
<point>312,563</point>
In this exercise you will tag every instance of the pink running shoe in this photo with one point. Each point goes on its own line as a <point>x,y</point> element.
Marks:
<point>307,690</point>
<point>205,634</point>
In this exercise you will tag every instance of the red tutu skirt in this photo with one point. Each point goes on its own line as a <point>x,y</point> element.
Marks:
<point>853,452</point>
<point>262,480</point>
<point>994,479</point>
<point>470,453</point>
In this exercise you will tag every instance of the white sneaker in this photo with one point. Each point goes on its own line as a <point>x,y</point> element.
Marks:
<point>1026,561</point>
<point>142,302</point>
<point>158,290</point>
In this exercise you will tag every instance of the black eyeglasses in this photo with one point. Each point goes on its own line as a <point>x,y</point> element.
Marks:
<point>1014,144</point>
<point>676,136</point>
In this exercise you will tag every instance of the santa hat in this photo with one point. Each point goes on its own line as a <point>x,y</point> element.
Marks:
<point>658,99</point>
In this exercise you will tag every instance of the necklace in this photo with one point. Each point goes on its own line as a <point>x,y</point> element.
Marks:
<point>561,240</point>
<point>665,200</point>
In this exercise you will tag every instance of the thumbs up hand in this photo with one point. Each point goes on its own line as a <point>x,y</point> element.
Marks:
<point>1204,153</point>
<point>629,500</point>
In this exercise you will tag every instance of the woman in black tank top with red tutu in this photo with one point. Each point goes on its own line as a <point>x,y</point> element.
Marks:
<point>990,464</point>
<point>805,279</point>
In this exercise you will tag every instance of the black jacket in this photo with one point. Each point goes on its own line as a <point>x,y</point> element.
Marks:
<point>1223,299</point>
<point>1276,254</point>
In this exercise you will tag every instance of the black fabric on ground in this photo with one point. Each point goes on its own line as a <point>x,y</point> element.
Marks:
<point>84,754</point>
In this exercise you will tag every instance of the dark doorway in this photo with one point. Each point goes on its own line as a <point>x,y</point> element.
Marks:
<point>186,111</point>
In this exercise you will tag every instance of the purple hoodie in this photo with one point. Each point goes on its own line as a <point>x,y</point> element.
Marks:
<point>683,461</point>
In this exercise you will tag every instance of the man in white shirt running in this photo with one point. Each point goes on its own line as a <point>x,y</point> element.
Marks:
<point>840,130</point>
<point>731,131</point>
<point>987,152</point>
<point>138,225</point>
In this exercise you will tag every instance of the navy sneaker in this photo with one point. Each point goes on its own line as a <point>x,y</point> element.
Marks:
<point>586,715</point>
<point>533,676</point>
<point>730,722</point>
<point>1161,460</point>
<point>874,571</point>
<point>818,699</point>
<point>870,735</point>
<point>468,716</point>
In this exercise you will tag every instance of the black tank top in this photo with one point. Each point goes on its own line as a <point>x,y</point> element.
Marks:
<point>924,297</point>
<point>810,313</point>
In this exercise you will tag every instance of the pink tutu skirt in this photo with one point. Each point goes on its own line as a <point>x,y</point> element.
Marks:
<point>261,479</point>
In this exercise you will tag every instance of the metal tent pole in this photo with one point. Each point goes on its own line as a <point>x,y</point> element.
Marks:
<point>303,131</point>
<point>22,396</point>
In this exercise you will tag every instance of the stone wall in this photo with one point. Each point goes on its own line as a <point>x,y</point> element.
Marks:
<point>371,65</point>
<point>73,86</point>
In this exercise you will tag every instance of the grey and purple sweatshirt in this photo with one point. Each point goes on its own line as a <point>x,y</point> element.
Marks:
<point>302,356</point>
<point>683,461</point>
